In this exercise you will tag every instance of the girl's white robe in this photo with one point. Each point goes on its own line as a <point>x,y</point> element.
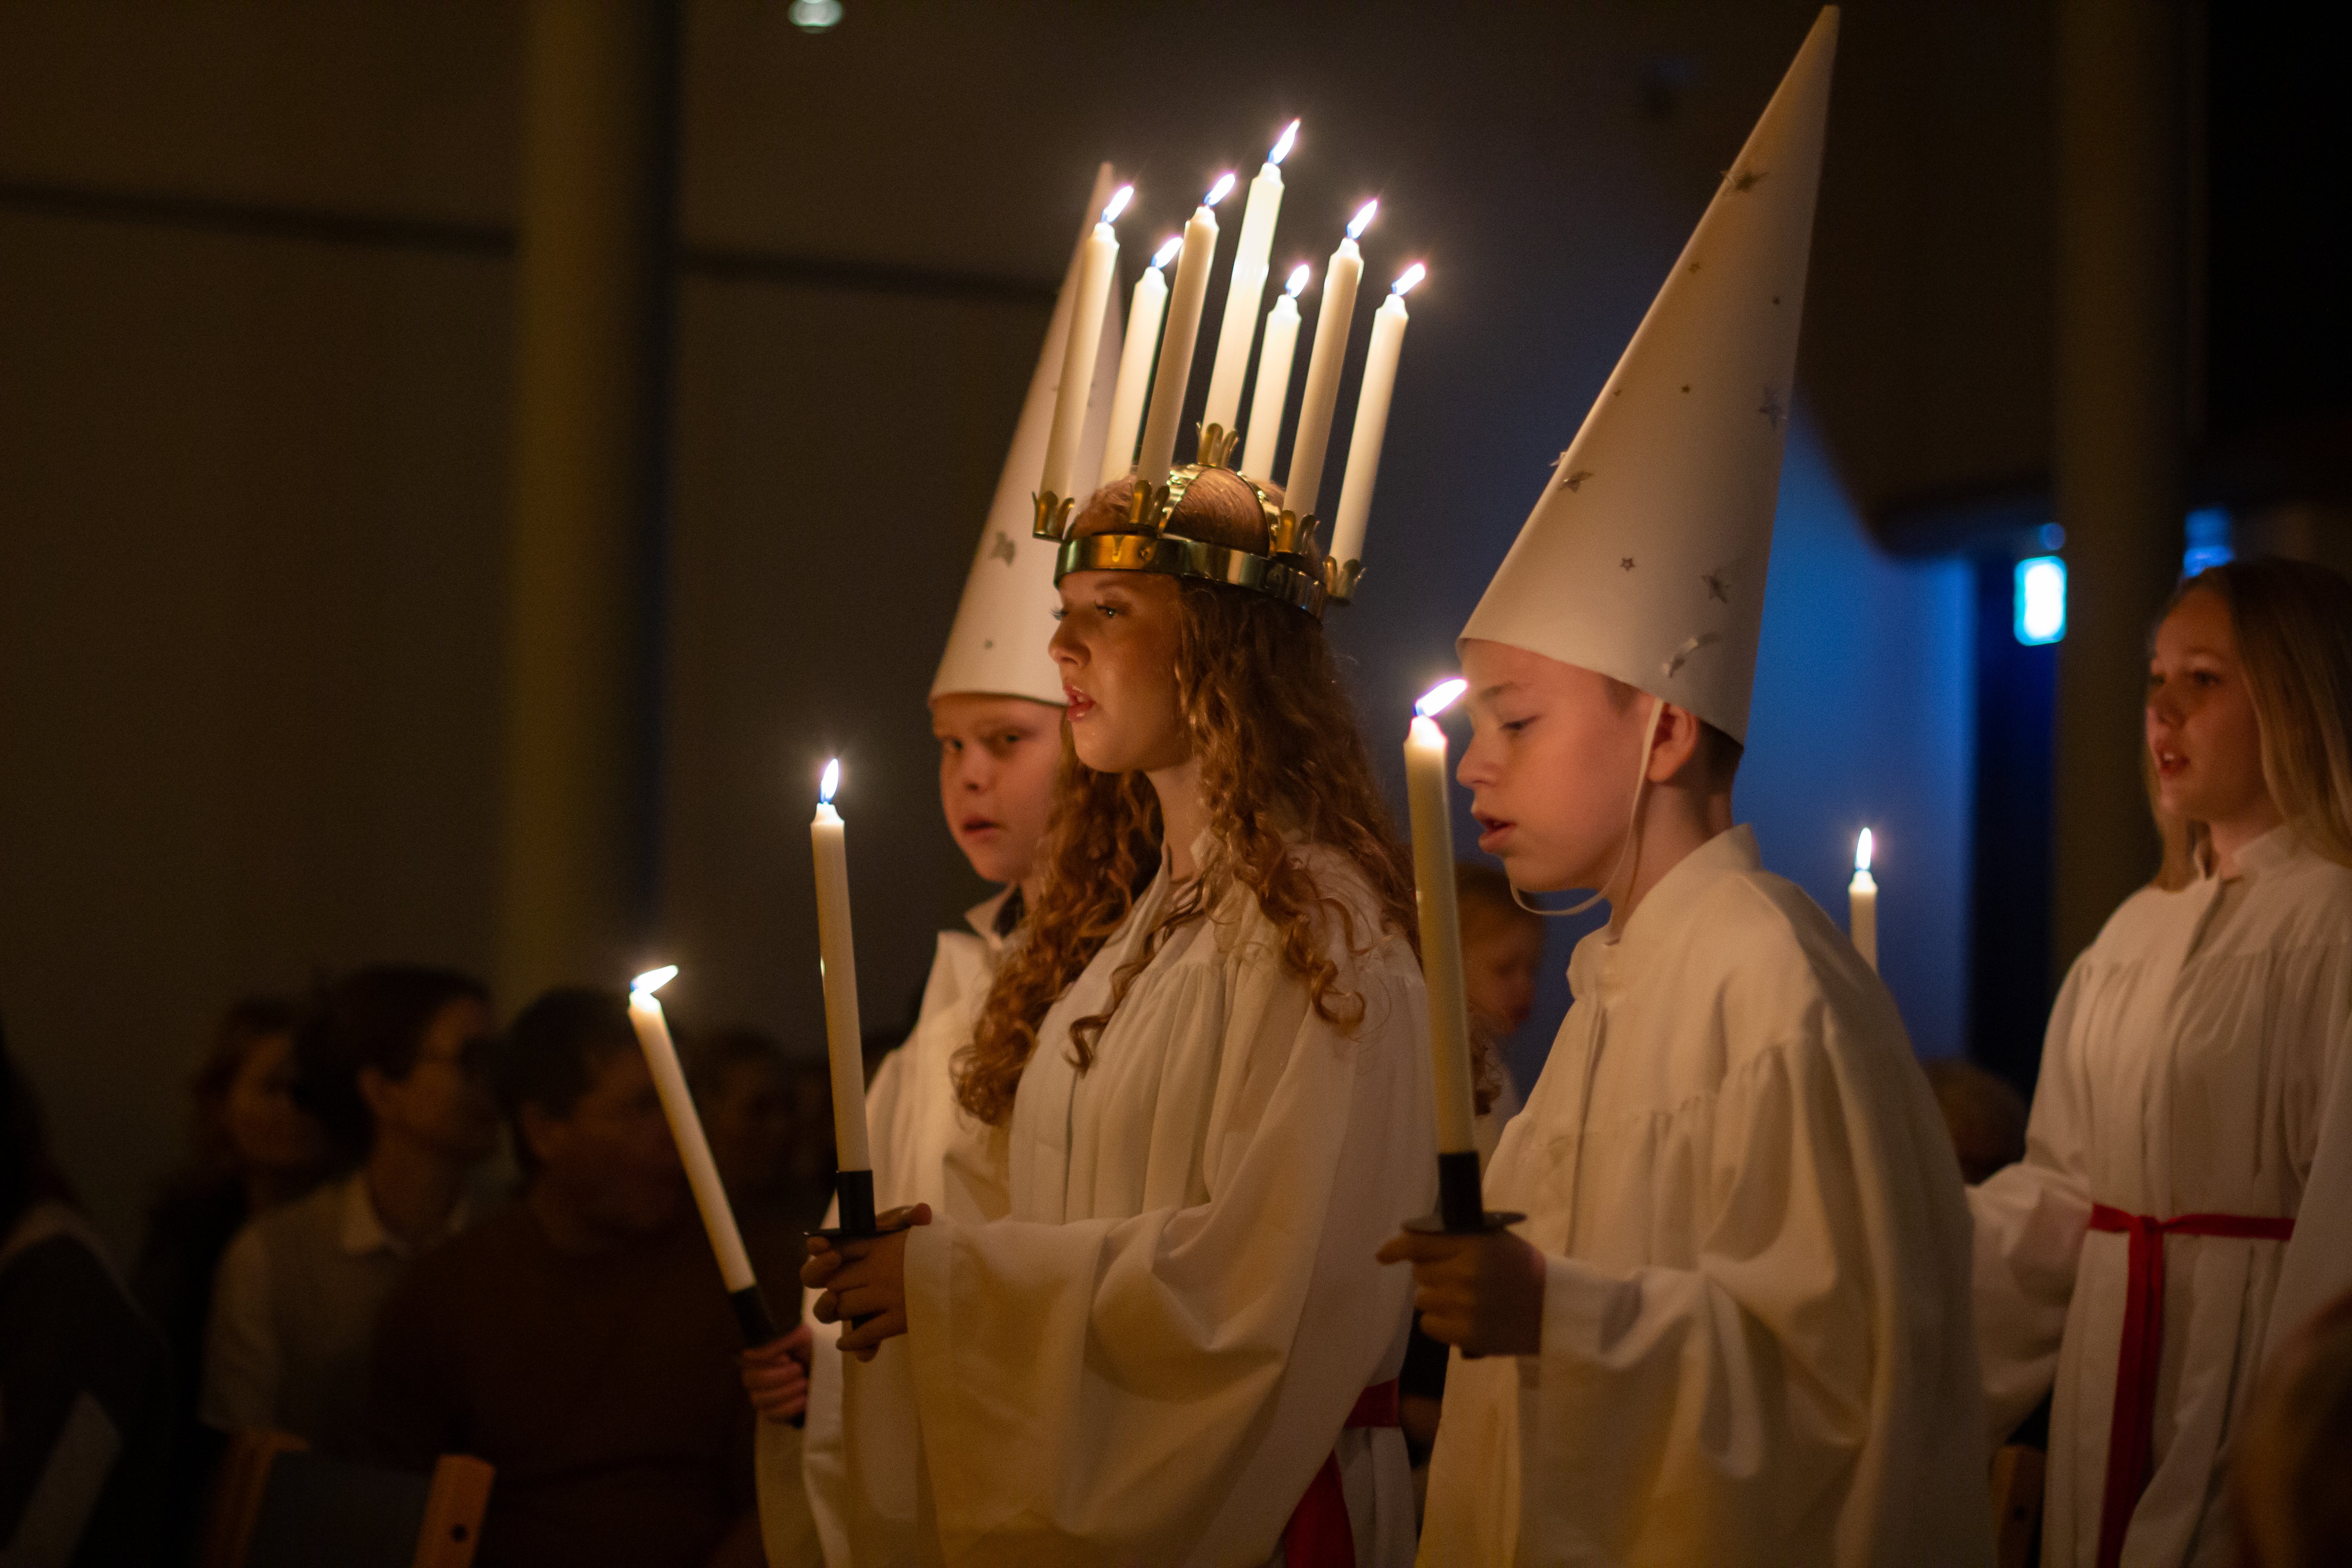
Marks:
<point>1150,1357</point>
<point>1756,1345</point>
<point>2196,1063</point>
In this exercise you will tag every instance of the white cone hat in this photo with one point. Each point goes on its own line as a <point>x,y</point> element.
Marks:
<point>997,645</point>
<point>1644,558</point>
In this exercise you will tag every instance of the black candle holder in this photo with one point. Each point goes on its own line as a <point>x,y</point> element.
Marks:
<point>853,1198</point>
<point>1461,1202</point>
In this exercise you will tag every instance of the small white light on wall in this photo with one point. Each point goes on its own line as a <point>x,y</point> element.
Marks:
<point>815,16</point>
<point>2040,600</point>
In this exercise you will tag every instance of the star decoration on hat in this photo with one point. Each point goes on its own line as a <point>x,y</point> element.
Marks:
<point>1003,549</point>
<point>1770,408</point>
<point>1718,586</point>
<point>1625,564</point>
<point>1574,481</point>
<point>1746,179</point>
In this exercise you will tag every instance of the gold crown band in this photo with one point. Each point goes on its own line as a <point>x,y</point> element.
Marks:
<point>1173,555</point>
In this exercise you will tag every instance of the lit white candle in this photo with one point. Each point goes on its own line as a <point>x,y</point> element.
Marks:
<point>694,1152</point>
<point>1371,420</point>
<point>1271,392</point>
<point>1185,300</point>
<point>845,1046</point>
<point>1248,291</point>
<point>1097,265</point>
<point>1428,795</point>
<point>1145,309</point>
<point>1324,362</point>
<point>1862,903</point>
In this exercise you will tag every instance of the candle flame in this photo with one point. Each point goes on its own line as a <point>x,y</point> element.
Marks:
<point>1406,280</point>
<point>1282,148</point>
<point>1168,249</point>
<point>1298,277</point>
<point>1440,697</point>
<point>1363,219</point>
<point>1118,205</point>
<point>830,783</point>
<point>1862,846</point>
<point>652,980</point>
<point>1220,191</point>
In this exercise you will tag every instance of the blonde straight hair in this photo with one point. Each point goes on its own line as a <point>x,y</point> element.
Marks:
<point>2292,624</point>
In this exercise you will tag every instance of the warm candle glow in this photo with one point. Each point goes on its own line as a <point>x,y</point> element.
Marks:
<point>1440,697</point>
<point>1298,280</point>
<point>1406,280</point>
<point>1862,846</point>
<point>1282,148</point>
<point>1220,191</point>
<point>830,783</point>
<point>1363,219</point>
<point>652,980</point>
<point>1167,251</point>
<point>1117,204</point>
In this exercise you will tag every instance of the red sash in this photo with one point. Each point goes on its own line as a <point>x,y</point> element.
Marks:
<point>2131,1438</point>
<point>1319,1534</point>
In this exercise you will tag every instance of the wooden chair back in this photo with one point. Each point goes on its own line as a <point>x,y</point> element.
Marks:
<point>278,1505</point>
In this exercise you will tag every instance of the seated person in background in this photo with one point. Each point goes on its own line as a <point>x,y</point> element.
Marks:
<point>1502,948</point>
<point>743,1088</point>
<point>395,1061</point>
<point>85,1387</point>
<point>1985,1116</point>
<point>580,1339</point>
<point>251,1150</point>
<point>2287,1482</point>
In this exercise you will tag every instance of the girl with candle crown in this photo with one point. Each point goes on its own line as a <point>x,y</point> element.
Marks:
<point>1730,1330</point>
<point>1208,1061</point>
<point>2185,1203</point>
<point>996,710</point>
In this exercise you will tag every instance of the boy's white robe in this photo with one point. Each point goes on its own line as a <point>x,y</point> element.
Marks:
<point>869,1496</point>
<point>1151,1357</point>
<point>1755,1344</point>
<point>2196,1063</point>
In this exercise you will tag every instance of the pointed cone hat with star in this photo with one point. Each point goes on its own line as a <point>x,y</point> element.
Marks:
<point>1644,558</point>
<point>997,647</point>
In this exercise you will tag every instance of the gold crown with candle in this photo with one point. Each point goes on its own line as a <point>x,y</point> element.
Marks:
<point>1291,569</point>
<point>1290,566</point>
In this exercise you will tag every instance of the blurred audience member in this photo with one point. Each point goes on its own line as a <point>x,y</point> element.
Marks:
<point>1502,948</point>
<point>395,1061</point>
<point>251,1149</point>
<point>743,1086</point>
<point>581,1340</point>
<point>85,1383</point>
<point>1985,1116</point>
<point>2291,1481</point>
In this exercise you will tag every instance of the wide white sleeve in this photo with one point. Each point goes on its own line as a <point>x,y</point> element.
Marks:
<point>1716,1412</point>
<point>1162,1388</point>
<point>2030,1219</point>
<point>2317,1268</point>
<point>242,1369</point>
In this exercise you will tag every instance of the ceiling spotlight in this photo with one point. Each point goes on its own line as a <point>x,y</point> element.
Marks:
<point>815,16</point>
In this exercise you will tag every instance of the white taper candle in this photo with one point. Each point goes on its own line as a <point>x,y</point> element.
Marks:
<point>1146,308</point>
<point>686,1129</point>
<point>1427,793</point>
<point>1862,903</point>
<point>1320,400</point>
<point>1231,365</point>
<point>1183,330</point>
<point>1097,265</point>
<point>1270,392</point>
<point>845,1041</point>
<point>1388,324</point>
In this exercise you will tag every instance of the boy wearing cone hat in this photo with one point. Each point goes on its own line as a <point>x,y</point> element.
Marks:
<point>1734,1327</point>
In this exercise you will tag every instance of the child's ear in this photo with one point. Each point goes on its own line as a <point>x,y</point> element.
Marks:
<point>1677,747</point>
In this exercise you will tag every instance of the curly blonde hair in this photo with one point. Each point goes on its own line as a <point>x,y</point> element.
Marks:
<point>1282,762</point>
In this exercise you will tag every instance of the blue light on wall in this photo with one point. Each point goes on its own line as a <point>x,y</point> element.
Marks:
<point>2040,600</point>
<point>2208,541</point>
